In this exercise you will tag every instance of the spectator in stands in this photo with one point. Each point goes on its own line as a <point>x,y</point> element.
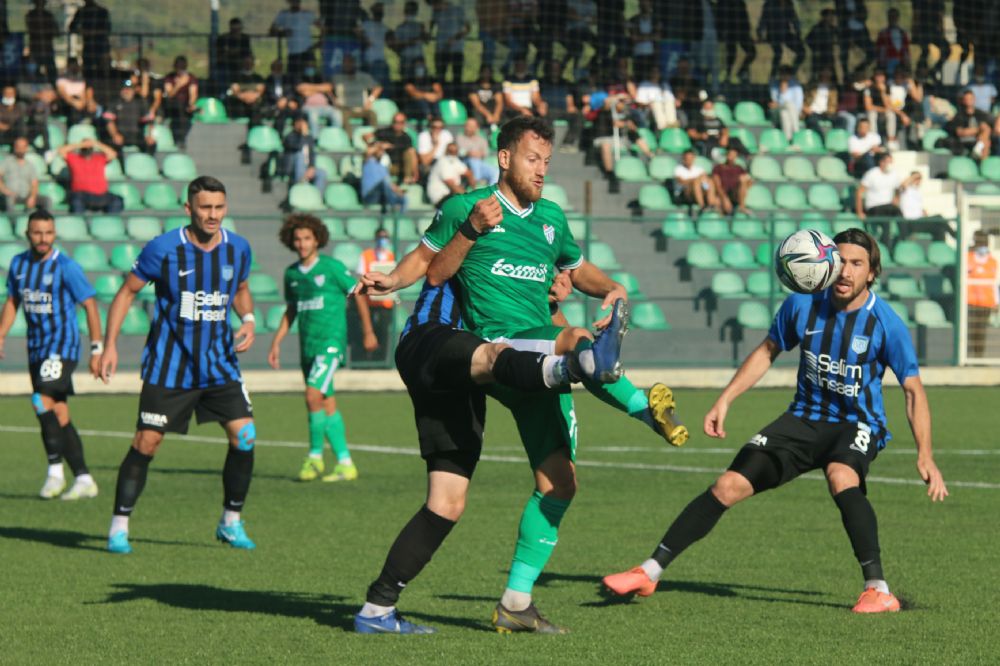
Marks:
<point>432,143</point>
<point>40,98</point>
<point>877,194</point>
<point>968,16</point>
<point>88,185</point>
<point>72,91</point>
<point>474,149</point>
<point>734,30</point>
<point>180,95</point>
<point>708,132</point>
<point>892,46</point>
<point>899,101</point>
<point>376,182</point>
<point>148,87</point>
<point>928,28</point>
<point>779,26</point>
<point>559,102</point>
<point>581,17</point>
<point>692,186</point>
<point>863,147</point>
<point>449,175</point>
<point>611,30</point>
<point>732,182</point>
<point>821,40</point>
<point>245,97</point>
<point>231,52</point>
<point>379,258</point>
<point>407,40</point>
<point>820,102</point>
<point>685,85</point>
<point>787,100</point>
<point>880,111</point>
<point>355,91</point>
<point>983,89</point>
<point>317,100</point>
<point>42,29</point>
<point>300,155</point>
<point>13,116</point>
<point>19,180</point>
<point>423,92</point>
<point>126,121</point>
<point>654,101</point>
<point>450,29</point>
<point>295,25</point>
<point>373,40</point>
<point>644,33</point>
<point>981,295</point>
<point>485,101</point>
<point>399,147</point>
<point>93,23</point>
<point>969,130</point>
<point>491,16</point>
<point>522,94</point>
<point>851,18</point>
<point>280,100</point>
<point>911,200</point>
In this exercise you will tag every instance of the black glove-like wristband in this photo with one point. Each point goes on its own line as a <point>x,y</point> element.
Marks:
<point>469,231</point>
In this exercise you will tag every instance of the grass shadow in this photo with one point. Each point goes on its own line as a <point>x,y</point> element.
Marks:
<point>78,540</point>
<point>717,589</point>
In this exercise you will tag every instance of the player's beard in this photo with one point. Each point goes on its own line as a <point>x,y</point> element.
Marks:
<point>523,188</point>
<point>846,300</point>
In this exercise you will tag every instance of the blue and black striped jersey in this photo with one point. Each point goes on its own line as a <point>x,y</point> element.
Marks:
<point>436,305</point>
<point>48,293</point>
<point>843,355</point>
<point>190,342</point>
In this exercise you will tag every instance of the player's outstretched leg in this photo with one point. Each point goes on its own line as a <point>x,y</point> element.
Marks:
<point>131,480</point>
<point>236,476</point>
<point>861,525</point>
<point>345,469</point>
<point>84,486</point>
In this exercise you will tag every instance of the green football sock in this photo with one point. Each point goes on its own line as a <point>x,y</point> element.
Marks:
<point>536,538</point>
<point>317,426</point>
<point>622,395</point>
<point>337,435</point>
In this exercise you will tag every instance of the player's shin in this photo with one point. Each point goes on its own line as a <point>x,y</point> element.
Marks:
<point>131,480</point>
<point>317,433</point>
<point>536,538</point>
<point>337,436</point>
<point>52,434</point>
<point>694,523</point>
<point>861,525</point>
<point>530,371</point>
<point>237,473</point>
<point>73,450</point>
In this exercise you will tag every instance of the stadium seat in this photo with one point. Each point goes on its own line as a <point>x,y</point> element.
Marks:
<point>772,140</point>
<point>164,139</point>
<point>648,316</point>
<point>7,253</point>
<point>674,140</point>
<point>123,256</point>
<point>661,167</point>
<point>136,321</point>
<point>107,285</point>
<point>452,112</point>
<point>887,260</point>
<point>762,283</point>
<point>160,196</point>
<point>823,196</point>
<point>900,309</point>
<point>645,134</point>
<point>836,140</point>
<point>750,114</point>
<point>56,137</point>
<point>987,188</point>
<point>6,229</point>
<point>326,163</point>
<point>814,220</point>
<point>782,225</point>
<point>903,285</point>
<point>746,137</point>
<point>631,169</point>
<point>305,197</point>
<point>809,142</point>
<point>210,110</point>
<point>362,228</point>
<point>179,166</point>
<point>603,256</point>
<point>753,315</point>
<point>108,228</point>
<point>930,314</point>
<point>54,191</point>
<point>334,140</point>
<point>703,255</point>
<point>963,169</point>
<point>129,194</point>
<point>358,135</point>
<point>335,225</point>
<point>580,228</point>
<point>790,197</point>
<point>72,228</point>
<point>264,139</point>
<point>759,198</point>
<point>765,254</point>
<point>575,313</point>
<point>384,109</point>
<point>348,253</point>
<point>557,195</point>
<point>341,196</point>
<point>941,254</point>
<point>724,113</point>
<point>909,254</point>
<point>81,317</point>
<point>81,131</point>
<point>263,286</point>
<point>713,226</point>
<point>113,171</point>
<point>143,228</point>
<point>937,286</point>
<point>727,284</point>
<point>175,222</point>
<point>655,198</point>
<point>846,220</point>
<point>832,169</point>
<point>415,199</point>
<point>799,169</point>
<point>679,227</point>
<point>91,257</point>
<point>990,168</point>
<point>629,281</point>
<point>272,318</point>
<point>765,167</point>
<point>737,254</point>
<point>140,166</point>
<point>931,137</point>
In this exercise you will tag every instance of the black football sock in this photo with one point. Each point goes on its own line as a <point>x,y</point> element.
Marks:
<point>694,522</point>
<point>862,529</point>
<point>409,554</point>
<point>73,450</point>
<point>52,436</point>
<point>236,475</point>
<point>131,480</point>
<point>521,370</point>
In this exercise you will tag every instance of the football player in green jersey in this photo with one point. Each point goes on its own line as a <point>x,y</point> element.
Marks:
<point>317,287</point>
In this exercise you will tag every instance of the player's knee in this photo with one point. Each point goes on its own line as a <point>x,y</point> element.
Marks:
<point>732,488</point>
<point>38,404</point>
<point>147,442</point>
<point>246,437</point>
<point>450,507</point>
<point>841,477</point>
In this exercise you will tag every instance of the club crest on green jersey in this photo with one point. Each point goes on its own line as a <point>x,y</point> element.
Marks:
<point>319,280</point>
<point>550,233</point>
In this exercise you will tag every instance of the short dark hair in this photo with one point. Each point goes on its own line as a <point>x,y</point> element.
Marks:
<point>303,221</point>
<point>862,238</point>
<point>882,157</point>
<point>204,184</point>
<point>512,131</point>
<point>689,150</point>
<point>40,214</point>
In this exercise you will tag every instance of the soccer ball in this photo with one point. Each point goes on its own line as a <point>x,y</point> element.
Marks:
<point>807,261</point>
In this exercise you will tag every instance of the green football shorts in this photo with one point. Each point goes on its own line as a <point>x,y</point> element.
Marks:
<point>319,370</point>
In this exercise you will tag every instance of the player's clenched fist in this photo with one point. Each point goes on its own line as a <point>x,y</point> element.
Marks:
<point>486,214</point>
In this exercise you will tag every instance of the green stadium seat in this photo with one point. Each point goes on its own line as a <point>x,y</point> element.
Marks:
<point>724,113</point>
<point>823,196</point>
<point>59,170</point>
<point>990,168</point>
<point>753,315</point>
<point>762,283</point>
<point>351,165</point>
<point>143,228</point>
<point>783,226</point>
<point>264,139</point>
<point>362,228</point>
<point>20,327</point>
<point>415,199</point>
<point>809,142</point>
<point>765,254</point>
<point>746,137</point>
<point>305,197</point>
<point>713,226</point>
<point>37,161</point>
<point>175,222</point>
<point>790,197</point>
<point>129,194</point>
<point>140,166</point>
<point>900,309</point>
<point>72,228</point>
<point>846,220</point>
<point>107,285</point>
<point>630,282</point>
<point>765,167</point>
<point>727,284</point>
<point>335,225</point>
<point>136,321</point>
<point>655,198</point>
<point>579,228</point>
<point>909,254</point>
<point>837,140</point>
<point>674,140</point>
<point>81,318</point>
<point>161,196</point>
<point>164,139</point>
<point>931,137</point>
<point>987,188</point>
<point>272,319</point>
<point>772,140</point>
<point>631,169</point>
<point>759,198</point>
<point>814,220</point>
<point>647,136</point>
<point>750,114</point>
<point>6,229</point>
<point>575,313</point>
<point>903,285</point>
<point>334,140</point>
<point>348,253</point>
<point>341,196</point>
<point>452,112</point>
<point>326,163</point>
<point>930,314</point>
<point>210,110</point>
<point>79,132</point>
<point>679,227</point>
<point>263,286</point>
<point>557,195</point>
<point>963,169</point>
<point>56,137</point>
<point>358,135</point>
<point>603,256</point>
<point>91,257</point>
<point>887,260</point>
<point>661,167</point>
<point>108,228</point>
<point>737,254</point>
<point>941,254</point>
<point>648,316</point>
<point>384,109</point>
<point>799,169</point>
<point>113,171</point>
<point>832,169</point>
<point>7,253</point>
<point>937,286</point>
<point>54,191</point>
<point>123,256</point>
<point>703,255</point>
<point>179,167</point>
<point>748,227</point>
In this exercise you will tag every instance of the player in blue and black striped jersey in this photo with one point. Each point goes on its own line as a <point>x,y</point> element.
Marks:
<point>847,337</point>
<point>47,285</point>
<point>189,363</point>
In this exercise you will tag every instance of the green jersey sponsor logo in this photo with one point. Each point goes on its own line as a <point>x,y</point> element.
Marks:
<point>536,273</point>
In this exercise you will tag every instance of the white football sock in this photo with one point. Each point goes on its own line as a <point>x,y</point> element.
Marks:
<point>879,585</point>
<point>56,470</point>
<point>85,478</point>
<point>374,610</point>
<point>316,456</point>
<point>515,601</point>
<point>586,359</point>
<point>554,371</point>
<point>118,524</point>
<point>230,517</point>
<point>652,569</point>
<point>345,461</point>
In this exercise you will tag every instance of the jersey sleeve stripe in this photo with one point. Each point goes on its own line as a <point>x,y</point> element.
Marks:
<point>569,267</point>
<point>431,245</point>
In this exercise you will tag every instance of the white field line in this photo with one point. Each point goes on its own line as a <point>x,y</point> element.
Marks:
<point>391,450</point>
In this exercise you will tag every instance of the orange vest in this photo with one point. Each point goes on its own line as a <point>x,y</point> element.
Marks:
<point>367,259</point>
<point>982,280</point>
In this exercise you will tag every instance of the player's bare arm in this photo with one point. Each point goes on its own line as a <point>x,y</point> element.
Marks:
<point>116,315</point>
<point>592,281</point>
<point>7,316</point>
<point>96,339</point>
<point>918,413</point>
<point>243,304</point>
<point>274,354</point>
<point>412,268</point>
<point>486,214</point>
<point>369,340</point>
<point>753,368</point>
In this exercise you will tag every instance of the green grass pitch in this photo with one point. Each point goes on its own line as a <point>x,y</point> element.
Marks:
<point>773,583</point>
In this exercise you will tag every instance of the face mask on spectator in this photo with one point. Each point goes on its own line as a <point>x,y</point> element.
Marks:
<point>309,71</point>
<point>382,243</point>
<point>982,251</point>
<point>708,113</point>
<point>7,101</point>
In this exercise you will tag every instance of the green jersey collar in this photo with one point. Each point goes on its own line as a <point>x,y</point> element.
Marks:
<point>509,205</point>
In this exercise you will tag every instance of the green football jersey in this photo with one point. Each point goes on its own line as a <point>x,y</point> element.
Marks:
<point>318,295</point>
<point>506,276</point>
